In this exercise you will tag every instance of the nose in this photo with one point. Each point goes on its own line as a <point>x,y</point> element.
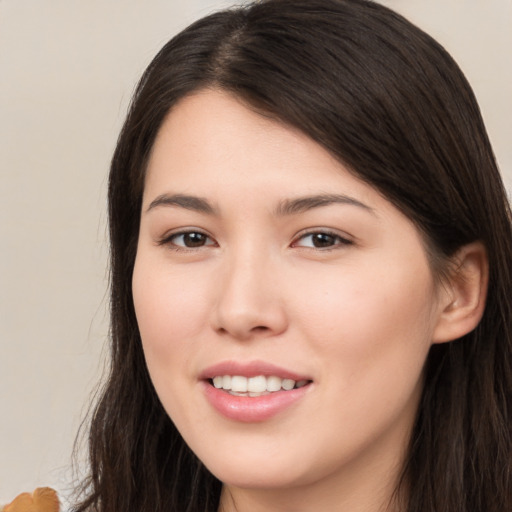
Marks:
<point>249,300</point>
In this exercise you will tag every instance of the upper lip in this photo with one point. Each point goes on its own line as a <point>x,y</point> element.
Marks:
<point>250,369</point>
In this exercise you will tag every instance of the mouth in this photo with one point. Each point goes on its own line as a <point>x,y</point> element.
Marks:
<point>255,391</point>
<point>259,385</point>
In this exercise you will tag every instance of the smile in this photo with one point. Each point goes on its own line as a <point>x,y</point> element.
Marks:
<point>253,391</point>
<point>260,385</point>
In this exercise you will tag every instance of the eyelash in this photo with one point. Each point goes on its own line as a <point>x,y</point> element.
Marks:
<point>170,240</point>
<point>337,240</point>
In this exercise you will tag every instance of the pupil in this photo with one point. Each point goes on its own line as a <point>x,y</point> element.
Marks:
<point>194,239</point>
<point>322,240</point>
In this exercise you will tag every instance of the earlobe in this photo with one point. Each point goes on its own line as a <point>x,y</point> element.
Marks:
<point>464,293</point>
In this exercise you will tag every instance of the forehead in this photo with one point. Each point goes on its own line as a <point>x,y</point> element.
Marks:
<point>212,136</point>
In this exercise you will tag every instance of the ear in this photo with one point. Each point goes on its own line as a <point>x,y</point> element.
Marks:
<point>463,293</point>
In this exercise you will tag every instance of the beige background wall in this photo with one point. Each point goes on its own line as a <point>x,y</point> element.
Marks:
<point>67,69</point>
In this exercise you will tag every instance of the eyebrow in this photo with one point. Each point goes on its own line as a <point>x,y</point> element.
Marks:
<point>303,204</point>
<point>194,203</point>
<point>284,208</point>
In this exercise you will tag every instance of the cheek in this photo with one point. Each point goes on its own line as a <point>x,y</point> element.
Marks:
<point>372,337</point>
<point>369,322</point>
<point>171,309</point>
<point>171,313</point>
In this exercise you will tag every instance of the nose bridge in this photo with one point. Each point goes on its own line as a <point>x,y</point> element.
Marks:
<point>248,301</point>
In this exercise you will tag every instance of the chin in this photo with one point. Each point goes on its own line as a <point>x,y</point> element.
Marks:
<point>263,467</point>
<point>267,476</point>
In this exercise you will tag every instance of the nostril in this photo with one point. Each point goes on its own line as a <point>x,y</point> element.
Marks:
<point>260,328</point>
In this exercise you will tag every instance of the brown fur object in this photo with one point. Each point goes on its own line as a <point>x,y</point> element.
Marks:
<point>43,499</point>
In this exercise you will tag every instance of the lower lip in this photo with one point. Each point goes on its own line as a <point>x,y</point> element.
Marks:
<point>252,409</point>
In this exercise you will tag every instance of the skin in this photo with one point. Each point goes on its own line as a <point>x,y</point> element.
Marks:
<point>356,314</point>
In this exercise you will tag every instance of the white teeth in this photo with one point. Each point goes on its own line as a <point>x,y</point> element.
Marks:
<point>274,383</point>
<point>238,383</point>
<point>288,384</point>
<point>226,382</point>
<point>255,386</point>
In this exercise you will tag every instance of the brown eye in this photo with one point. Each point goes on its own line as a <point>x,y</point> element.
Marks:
<point>321,240</point>
<point>190,240</point>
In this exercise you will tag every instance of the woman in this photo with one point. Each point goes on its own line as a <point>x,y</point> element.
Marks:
<point>310,275</point>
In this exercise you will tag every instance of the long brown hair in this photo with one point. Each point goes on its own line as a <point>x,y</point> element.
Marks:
<point>390,103</point>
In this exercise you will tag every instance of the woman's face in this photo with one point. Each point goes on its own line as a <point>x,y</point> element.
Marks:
<point>263,264</point>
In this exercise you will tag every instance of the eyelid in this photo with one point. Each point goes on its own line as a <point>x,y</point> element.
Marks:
<point>167,239</point>
<point>343,239</point>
